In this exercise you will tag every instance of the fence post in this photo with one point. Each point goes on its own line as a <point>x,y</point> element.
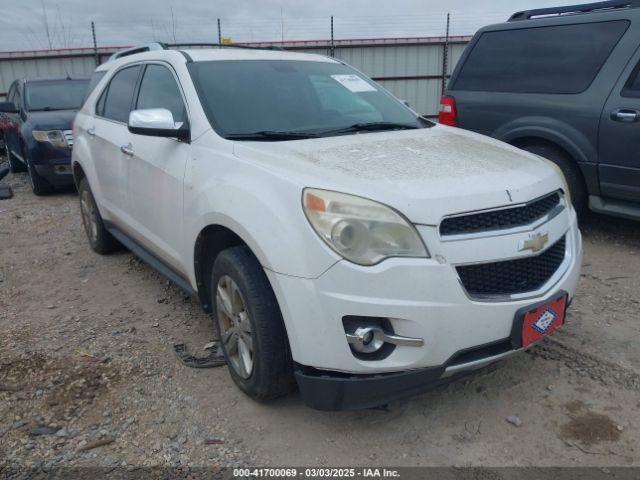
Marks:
<point>333,48</point>
<point>445,55</point>
<point>95,43</point>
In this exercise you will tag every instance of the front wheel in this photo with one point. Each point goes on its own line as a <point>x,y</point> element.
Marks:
<point>38,184</point>
<point>250,325</point>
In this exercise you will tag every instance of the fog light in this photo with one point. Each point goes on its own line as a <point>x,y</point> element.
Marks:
<point>373,338</point>
<point>367,339</point>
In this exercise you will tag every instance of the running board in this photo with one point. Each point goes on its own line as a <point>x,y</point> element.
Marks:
<point>617,208</point>
<point>151,260</point>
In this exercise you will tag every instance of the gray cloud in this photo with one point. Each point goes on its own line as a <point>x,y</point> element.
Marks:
<point>126,22</point>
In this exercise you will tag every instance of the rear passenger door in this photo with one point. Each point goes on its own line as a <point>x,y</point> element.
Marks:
<point>156,169</point>
<point>111,139</point>
<point>619,149</point>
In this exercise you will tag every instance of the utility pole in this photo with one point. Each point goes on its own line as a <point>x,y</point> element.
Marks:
<point>333,47</point>
<point>281,25</point>
<point>95,43</point>
<point>445,56</point>
<point>219,33</point>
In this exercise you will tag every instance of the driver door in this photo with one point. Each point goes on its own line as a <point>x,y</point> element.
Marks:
<point>619,166</point>
<point>156,169</point>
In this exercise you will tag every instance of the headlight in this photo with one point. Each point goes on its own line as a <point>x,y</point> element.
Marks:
<point>54,137</point>
<point>360,230</point>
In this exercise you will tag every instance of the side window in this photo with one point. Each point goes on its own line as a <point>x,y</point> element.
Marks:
<point>119,95</point>
<point>561,59</point>
<point>93,83</point>
<point>159,89</point>
<point>632,88</point>
<point>101,100</point>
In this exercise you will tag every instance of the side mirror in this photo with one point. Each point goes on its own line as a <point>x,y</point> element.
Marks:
<point>157,122</point>
<point>8,107</point>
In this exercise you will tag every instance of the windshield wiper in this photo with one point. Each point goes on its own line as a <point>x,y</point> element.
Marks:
<point>48,109</point>
<point>267,135</point>
<point>371,127</point>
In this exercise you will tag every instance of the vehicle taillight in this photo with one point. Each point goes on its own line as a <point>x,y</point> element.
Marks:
<point>448,114</point>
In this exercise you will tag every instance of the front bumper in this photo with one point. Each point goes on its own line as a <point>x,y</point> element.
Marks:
<point>58,174</point>
<point>422,298</point>
<point>330,391</point>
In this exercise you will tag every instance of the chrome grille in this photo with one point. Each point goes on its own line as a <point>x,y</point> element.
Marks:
<point>500,219</point>
<point>68,135</point>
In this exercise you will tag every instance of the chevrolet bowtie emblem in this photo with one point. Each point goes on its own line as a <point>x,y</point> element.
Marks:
<point>536,243</point>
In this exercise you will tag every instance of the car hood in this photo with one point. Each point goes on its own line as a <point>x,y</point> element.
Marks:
<point>426,174</point>
<point>53,120</point>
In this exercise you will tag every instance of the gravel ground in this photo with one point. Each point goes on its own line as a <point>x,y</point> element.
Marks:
<point>88,376</point>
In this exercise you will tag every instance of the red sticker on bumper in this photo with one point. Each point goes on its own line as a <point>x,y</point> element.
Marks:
<point>543,321</point>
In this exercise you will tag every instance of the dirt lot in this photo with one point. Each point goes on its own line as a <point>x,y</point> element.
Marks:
<point>576,396</point>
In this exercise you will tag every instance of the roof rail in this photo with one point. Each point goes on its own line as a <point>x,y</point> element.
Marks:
<point>139,49</point>
<point>149,47</point>
<point>220,45</point>
<point>573,9</point>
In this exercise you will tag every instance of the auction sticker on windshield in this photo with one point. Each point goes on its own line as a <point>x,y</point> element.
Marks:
<point>354,83</point>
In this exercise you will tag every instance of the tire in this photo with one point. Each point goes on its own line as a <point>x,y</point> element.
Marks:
<point>256,316</point>
<point>570,169</point>
<point>100,239</point>
<point>38,184</point>
<point>15,165</point>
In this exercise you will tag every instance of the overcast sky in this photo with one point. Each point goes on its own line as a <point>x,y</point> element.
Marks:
<point>24,23</point>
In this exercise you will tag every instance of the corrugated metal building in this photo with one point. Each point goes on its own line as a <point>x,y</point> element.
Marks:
<point>411,68</point>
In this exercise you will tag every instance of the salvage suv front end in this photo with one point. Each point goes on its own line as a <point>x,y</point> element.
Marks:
<point>487,237</point>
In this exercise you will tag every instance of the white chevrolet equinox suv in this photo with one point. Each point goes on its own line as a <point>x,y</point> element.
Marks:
<point>341,241</point>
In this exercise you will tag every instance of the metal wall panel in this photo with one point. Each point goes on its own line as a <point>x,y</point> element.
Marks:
<point>411,68</point>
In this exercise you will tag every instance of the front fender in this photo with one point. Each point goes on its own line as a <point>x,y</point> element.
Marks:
<point>81,157</point>
<point>263,209</point>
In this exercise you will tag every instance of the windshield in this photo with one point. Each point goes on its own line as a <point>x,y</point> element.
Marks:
<point>277,96</point>
<point>55,95</point>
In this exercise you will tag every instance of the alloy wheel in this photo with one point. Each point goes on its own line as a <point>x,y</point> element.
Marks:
<point>235,326</point>
<point>89,216</point>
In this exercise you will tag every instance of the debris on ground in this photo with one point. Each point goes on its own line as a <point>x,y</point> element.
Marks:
<point>89,357</point>
<point>6,387</point>
<point>214,359</point>
<point>6,193</point>
<point>43,430</point>
<point>214,441</point>
<point>98,443</point>
<point>514,420</point>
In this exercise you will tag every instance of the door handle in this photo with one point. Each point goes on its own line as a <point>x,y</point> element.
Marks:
<point>92,131</point>
<point>625,115</point>
<point>127,149</point>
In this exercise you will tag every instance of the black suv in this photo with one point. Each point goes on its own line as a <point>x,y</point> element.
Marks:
<point>562,83</point>
<point>36,123</point>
